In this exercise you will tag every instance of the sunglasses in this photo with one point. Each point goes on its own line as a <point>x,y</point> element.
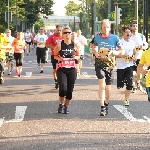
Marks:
<point>66,32</point>
<point>41,29</point>
<point>59,30</point>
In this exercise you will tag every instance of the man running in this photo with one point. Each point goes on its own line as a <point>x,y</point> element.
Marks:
<point>51,43</point>
<point>83,41</point>
<point>106,43</point>
<point>9,51</point>
<point>141,44</point>
<point>28,38</point>
<point>40,39</point>
<point>124,64</point>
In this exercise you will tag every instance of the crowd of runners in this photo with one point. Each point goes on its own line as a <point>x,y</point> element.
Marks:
<point>128,54</point>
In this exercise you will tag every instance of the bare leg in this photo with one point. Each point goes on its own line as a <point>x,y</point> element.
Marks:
<point>101,91</point>
<point>54,74</point>
<point>127,94</point>
<point>61,100</point>
<point>108,92</point>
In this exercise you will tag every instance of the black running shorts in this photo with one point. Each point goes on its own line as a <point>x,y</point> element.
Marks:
<point>124,76</point>
<point>104,73</point>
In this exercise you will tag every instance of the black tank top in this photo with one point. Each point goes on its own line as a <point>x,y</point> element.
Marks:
<point>67,51</point>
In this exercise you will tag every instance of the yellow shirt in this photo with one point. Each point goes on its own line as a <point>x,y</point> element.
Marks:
<point>145,59</point>
<point>3,42</point>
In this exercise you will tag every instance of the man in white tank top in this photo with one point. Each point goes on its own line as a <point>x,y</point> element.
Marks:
<point>125,64</point>
<point>28,38</point>
<point>83,41</point>
<point>141,44</point>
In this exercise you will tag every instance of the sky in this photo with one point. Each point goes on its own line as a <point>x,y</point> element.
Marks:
<point>58,7</point>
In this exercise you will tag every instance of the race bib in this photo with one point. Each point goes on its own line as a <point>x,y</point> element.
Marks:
<point>104,52</point>
<point>67,63</point>
<point>128,58</point>
<point>19,48</point>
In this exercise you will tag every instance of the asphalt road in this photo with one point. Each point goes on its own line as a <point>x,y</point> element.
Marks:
<point>29,118</point>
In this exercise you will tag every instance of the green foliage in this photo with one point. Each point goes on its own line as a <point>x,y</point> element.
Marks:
<point>72,8</point>
<point>38,24</point>
<point>26,10</point>
<point>128,11</point>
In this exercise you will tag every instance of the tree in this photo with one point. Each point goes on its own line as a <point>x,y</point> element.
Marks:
<point>39,23</point>
<point>26,10</point>
<point>72,8</point>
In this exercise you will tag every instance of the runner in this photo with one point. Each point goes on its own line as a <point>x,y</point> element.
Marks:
<point>9,51</point>
<point>125,64</point>
<point>66,53</point>
<point>105,42</point>
<point>28,38</point>
<point>3,42</point>
<point>83,42</point>
<point>92,56</point>
<point>51,43</point>
<point>145,59</point>
<point>40,39</point>
<point>48,49</point>
<point>141,44</point>
<point>19,45</point>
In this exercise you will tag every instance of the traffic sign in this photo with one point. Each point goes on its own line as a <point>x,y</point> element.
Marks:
<point>113,15</point>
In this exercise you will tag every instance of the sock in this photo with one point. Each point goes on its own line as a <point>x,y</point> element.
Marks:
<point>102,108</point>
<point>106,105</point>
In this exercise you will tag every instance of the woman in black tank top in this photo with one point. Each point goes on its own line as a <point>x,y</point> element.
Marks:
<point>66,53</point>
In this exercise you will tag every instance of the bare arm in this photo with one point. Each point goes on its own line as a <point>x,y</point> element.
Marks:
<point>141,70</point>
<point>120,53</point>
<point>56,52</point>
<point>49,46</point>
<point>77,48</point>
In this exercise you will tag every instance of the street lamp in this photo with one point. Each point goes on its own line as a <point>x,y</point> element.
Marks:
<point>16,14</point>
<point>8,14</point>
<point>136,10</point>
<point>145,19</point>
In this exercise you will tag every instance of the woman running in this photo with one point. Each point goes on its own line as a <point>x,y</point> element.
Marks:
<point>66,53</point>
<point>19,46</point>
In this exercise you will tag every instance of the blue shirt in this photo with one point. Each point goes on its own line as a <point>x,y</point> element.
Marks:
<point>111,43</point>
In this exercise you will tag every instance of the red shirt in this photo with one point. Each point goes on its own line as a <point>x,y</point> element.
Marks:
<point>53,40</point>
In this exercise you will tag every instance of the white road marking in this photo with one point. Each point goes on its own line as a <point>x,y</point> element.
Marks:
<point>19,114</point>
<point>1,121</point>
<point>85,74</point>
<point>148,119</point>
<point>127,114</point>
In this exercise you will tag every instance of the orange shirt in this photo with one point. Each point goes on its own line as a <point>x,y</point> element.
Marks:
<point>18,45</point>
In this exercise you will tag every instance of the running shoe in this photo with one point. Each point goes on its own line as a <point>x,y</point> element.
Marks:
<point>60,108</point>
<point>56,85</point>
<point>139,86</point>
<point>103,112</point>
<point>1,81</point>
<point>126,102</point>
<point>66,111</point>
<point>38,67</point>
<point>41,71</point>
<point>133,90</point>
<point>106,107</point>
<point>78,74</point>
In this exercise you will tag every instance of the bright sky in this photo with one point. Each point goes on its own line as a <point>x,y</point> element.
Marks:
<point>58,7</point>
